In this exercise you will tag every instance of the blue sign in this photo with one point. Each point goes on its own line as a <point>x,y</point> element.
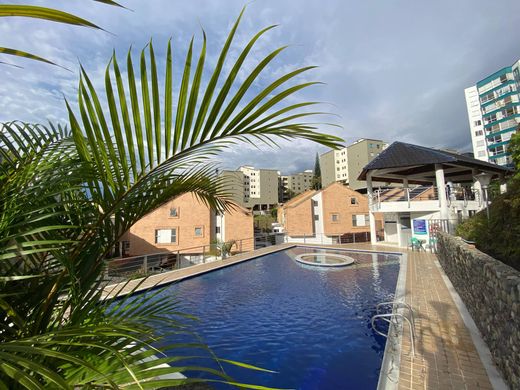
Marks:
<point>419,226</point>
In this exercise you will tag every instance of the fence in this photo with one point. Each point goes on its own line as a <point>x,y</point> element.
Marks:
<point>126,268</point>
<point>320,238</point>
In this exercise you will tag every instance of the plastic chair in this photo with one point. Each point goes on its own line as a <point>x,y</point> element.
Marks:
<point>416,244</point>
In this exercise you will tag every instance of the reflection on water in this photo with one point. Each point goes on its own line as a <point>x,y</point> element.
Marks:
<point>310,324</point>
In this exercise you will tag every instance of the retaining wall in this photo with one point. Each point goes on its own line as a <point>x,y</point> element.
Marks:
<point>491,292</point>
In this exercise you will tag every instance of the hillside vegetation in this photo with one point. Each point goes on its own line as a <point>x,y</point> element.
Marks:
<point>500,236</point>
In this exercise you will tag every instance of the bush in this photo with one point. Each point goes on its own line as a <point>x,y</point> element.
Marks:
<point>499,237</point>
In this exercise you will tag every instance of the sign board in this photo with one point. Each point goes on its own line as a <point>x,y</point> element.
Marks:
<point>419,226</point>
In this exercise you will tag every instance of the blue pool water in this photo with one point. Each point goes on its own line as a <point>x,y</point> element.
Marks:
<point>309,324</point>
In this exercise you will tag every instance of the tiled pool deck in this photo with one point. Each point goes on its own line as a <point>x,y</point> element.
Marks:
<point>446,356</point>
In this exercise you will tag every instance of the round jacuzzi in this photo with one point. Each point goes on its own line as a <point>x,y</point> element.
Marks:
<point>324,259</point>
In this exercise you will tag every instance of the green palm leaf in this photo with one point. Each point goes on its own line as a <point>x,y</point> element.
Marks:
<point>44,13</point>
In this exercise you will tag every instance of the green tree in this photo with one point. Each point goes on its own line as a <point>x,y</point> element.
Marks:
<point>67,196</point>
<point>316,179</point>
<point>514,149</point>
<point>499,235</point>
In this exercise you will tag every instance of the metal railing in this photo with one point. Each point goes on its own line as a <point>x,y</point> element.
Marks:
<point>421,193</point>
<point>388,317</point>
<point>126,268</point>
<point>321,238</point>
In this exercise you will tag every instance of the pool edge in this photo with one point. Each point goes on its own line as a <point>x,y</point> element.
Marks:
<point>389,373</point>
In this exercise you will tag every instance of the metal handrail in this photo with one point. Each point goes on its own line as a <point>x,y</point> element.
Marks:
<point>393,315</point>
<point>386,316</point>
<point>398,303</point>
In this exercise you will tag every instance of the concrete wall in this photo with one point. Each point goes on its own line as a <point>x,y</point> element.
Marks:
<point>491,292</point>
<point>327,167</point>
<point>235,186</point>
<point>360,154</point>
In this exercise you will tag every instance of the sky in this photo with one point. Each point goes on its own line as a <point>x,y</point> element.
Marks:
<point>391,69</point>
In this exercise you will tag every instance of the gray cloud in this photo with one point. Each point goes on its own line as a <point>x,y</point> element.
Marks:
<point>393,70</point>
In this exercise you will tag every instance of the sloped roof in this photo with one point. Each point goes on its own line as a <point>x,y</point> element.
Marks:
<point>300,197</point>
<point>404,155</point>
<point>310,193</point>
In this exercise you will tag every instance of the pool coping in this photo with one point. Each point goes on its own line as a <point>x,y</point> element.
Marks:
<point>390,367</point>
<point>153,281</point>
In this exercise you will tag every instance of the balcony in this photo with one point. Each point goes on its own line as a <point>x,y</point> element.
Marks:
<point>424,198</point>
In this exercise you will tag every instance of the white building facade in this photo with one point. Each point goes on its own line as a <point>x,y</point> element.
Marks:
<point>493,106</point>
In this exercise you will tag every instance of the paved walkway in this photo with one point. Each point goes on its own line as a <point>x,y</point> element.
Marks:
<point>446,357</point>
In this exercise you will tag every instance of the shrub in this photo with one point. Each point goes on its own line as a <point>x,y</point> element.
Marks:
<point>499,237</point>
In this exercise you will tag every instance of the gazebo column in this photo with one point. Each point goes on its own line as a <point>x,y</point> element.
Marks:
<point>371,217</point>
<point>441,189</point>
<point>478,188</point>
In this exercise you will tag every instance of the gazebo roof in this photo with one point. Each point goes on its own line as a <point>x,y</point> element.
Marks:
<point>417,164</point>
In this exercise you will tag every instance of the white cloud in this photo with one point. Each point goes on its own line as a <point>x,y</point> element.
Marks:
<point>393,70</point>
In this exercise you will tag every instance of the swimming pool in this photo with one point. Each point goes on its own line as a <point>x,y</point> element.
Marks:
<point>309,324</point>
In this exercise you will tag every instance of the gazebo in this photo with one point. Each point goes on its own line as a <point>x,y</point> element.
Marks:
<point>436,185</point>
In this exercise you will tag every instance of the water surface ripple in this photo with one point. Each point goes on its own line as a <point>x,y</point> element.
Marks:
<point>310,324</point>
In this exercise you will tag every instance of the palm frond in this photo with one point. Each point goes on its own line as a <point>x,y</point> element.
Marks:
<point>48,14</point>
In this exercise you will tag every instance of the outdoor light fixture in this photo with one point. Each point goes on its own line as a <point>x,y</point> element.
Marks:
<point>484,179</point>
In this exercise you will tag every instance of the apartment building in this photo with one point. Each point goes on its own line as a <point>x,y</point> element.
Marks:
<point>185,223</point>
<point>295,184</point>
<point>493,106</point>
<point>253,188</point>
<point>260,187</point>
<point>325,214</point>
<point>345,165</point>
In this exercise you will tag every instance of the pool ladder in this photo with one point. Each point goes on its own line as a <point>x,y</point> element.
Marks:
<point>410,319</point>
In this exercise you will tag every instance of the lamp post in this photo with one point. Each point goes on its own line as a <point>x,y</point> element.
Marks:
<point>484,179</point>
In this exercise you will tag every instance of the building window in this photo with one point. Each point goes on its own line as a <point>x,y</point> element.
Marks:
<point>334,217</point>
<point>478,123</point>
<point>165,236</point>
<point>353,200</point>
<point>125,248</point>
<point>481,153</point>
<point>217,229</point>
<point>174,212</point>
<point>198,231</point>
<point>478,133</point>
<point>316,217</point>
<point>359,220</point>
<point>480,143</point>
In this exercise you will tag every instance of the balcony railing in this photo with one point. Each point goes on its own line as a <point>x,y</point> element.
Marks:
<point>424,193</point>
